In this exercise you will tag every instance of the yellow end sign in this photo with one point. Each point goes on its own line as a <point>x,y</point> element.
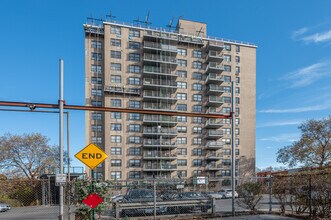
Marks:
<point>91,156</point>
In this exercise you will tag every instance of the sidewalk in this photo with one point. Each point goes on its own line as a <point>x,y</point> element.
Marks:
<point>259,217</point>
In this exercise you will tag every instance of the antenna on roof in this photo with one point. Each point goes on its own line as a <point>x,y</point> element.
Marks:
<point>95,20</point>
<point>110,16</point>
<point>170,24</point>
<point>146,22</point>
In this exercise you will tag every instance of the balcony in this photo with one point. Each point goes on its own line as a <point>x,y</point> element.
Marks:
<point>213,110</point>
<point>160,72</point>
<point>215,45</point>
<point>159,155</point>
<point>163,120</point>
<point>158,106</point>
<point>214,145</point>
<point>214,101</point>
<point>153,34</point>
<point>159,144</point>
<point>150,83</point>
<point>157,59</point>
<point>159,167</point>
<point>156,96</point>
<point>213,166</point>
<point>213,123</point>
<point>213,134</point>
<point>152,47</point>
<point>214,178</point>
<point>122,91</point>
<point>214,78</point>
<point>213,156</point>
<point>213,89</point>
<point>157,132</point>
<point>214,56</point>
<point>213,67</point>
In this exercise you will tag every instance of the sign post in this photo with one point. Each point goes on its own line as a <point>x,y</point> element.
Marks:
<point>92,156</point>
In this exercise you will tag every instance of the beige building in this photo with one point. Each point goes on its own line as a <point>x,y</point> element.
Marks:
<point>135,66</point>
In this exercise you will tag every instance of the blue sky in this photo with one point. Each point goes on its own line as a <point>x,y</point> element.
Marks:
<point>293,58</point>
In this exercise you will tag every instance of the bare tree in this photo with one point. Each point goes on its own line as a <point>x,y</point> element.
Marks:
<point>313,148</point>
<point>25,156</point>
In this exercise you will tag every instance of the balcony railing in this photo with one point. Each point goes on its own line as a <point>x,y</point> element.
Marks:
<point>214,67</point>
<point>214,56</point>
<point>158,34</point>
<point>214,145</point>
<point>213,166</point>
<point>158,155</point>
<point>147,131</point>
<point>158,46</point>
<point>160,167</point>
<point>214,101</point>
<point>158,58</point>
<point>213,123</point>
<point>214,156</point>
<point>213,110</point>
<point>213,134</point>
<point>214,78</point>
<point>159,118</point>
<point>214,89</point>
<point>160,83</point>
<point>157,94</point>
<point>215,45</point>
<point>158,106</point>
<point>166,143</point>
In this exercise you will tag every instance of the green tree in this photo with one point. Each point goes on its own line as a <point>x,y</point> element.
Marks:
<point>313,148</point>
<point>25,156</point>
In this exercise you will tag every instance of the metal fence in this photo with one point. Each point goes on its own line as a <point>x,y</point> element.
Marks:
<point>304,194</point>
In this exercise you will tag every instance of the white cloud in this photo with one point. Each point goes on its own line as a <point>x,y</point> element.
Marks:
<point>308,75</point>
<point>318,37</point>
<point>301,109</point>
<point>299,32</point>
<point>282,138</point>
<point>280,123</point>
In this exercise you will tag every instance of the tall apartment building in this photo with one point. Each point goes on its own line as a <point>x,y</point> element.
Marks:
<point>129,66</point>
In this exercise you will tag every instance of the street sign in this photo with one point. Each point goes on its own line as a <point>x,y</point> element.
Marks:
<point>91,156</point>
<point>60,179</point>
<point>199,180</point>
<point>93,200</point>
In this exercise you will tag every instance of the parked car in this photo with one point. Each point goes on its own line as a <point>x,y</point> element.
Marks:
<point>215,195</point>
<point>227,193</point>
<point>4,207</point>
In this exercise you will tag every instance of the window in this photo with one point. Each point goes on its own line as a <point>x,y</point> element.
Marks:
<point>182,52</point>
<point>96,92</point>
<point>227,68</point>
<point>116,127</point>
<point>237,121</point>
<point>96,128</point>
<point>115,42</point>
<point>197,86</point>
<point>116,115</point>
<point>96,56</point>
<point>115,54</point>
<point>182,173</point>
<point>134,128</point>
<point>226,140</point>
<point>96,80</point>
<point>181,129</point>
<point>116,66</point>
<point>226,131</point>
<point>116,151</point>
<point>181,140</point>
<point>237,152</point>
<point>181,118</point>
<point>197,172</point>
<point>197,120</point>
<point>197,97</point>
<point>237,69</point>
<point>227,78</point>
<point>226,89</point>
<point>97,140</point>
<point>181,162</point>
<point>181,96</point>
<point>237,131</point>
<point>237,48</point>
<point>197,65</point>
<point>134,139</point>
<point>134,57</point>
<point>197,75</point>
<point>197,163</point>
<point>237,111</point>
<point>237,59</point>
<point>134,81</point>
<point>226,162</point>
<point>134,45</point>
<point>116,163</point>
<point>227,47</point>
<point>197,130</point>
<point>116,103</point>
<point>134,175</point>
<point>134,69</point>
<point>237,100</point>
<point>96,44</point>
<point>197,53</point>
<point>181,107</point>
<point>197,141</point>
<point>134,104</point>
<point>134,151</point>
<point>237,141</point>
<point>181,62</point>
<point>237,80</point>
<point>197,152</point>
<point>181,151</point>
<point>116,138</point>
<point>115,175</point>
<point>197,108</point>
<point>134,116</point>
<point>115,30</point>
<point>226,99</point>
<point>226,110</point>
<point>226,121</point>
<point>227,58</point>
<point>96,69</point>
<point>134,33</point>
<point>134,163</point>
<point>96,103</point>
<point>96,116</point>
<point>181,85</point>
<point>115,79</point>
<point>182,74</point>
<point>227,151</point>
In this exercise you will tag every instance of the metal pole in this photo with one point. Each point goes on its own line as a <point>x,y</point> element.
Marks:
<point>61,136</point>
<point>154,199</point>
<point>233,135</point>
<point>91,191</point>
<point>68,158</point>
<point>270,194</point>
